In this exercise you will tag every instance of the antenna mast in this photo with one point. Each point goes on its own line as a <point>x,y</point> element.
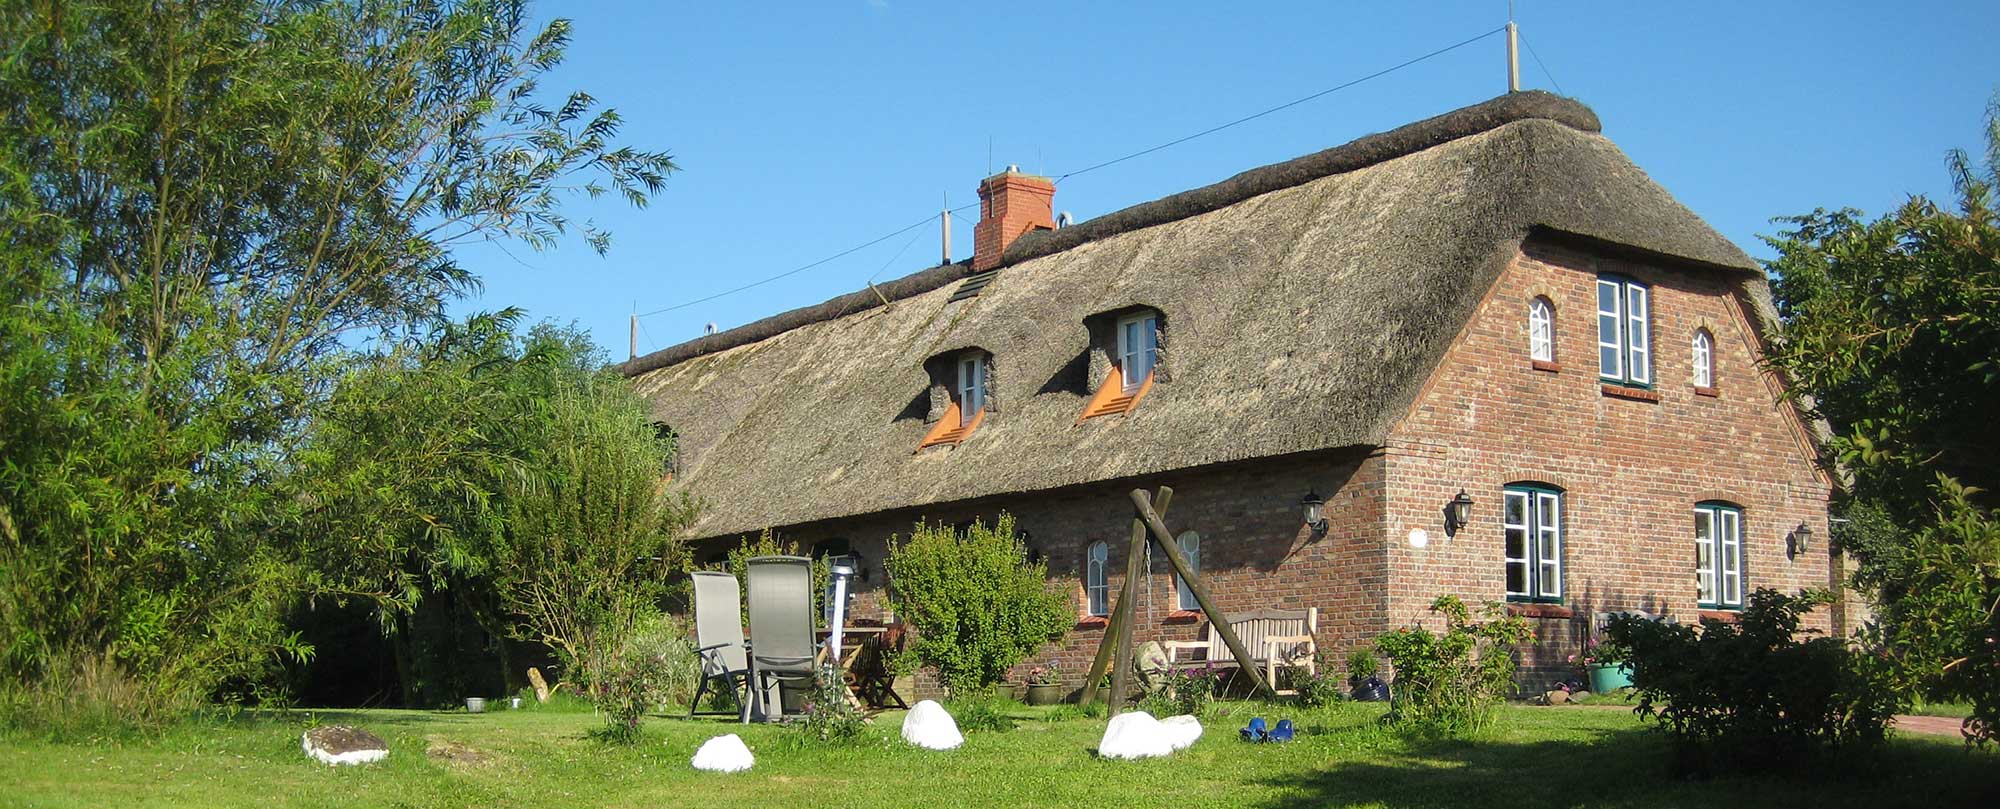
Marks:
<point>1513,52</point>
<point>944,222</point>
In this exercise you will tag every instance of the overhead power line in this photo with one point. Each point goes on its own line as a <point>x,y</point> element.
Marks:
<point>1287,105</point>
<point>929,218</point>
<point>1545,68</point>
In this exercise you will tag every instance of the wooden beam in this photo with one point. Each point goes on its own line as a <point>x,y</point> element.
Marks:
<point>1217,622</point>
<point>1135,560</point>
<point>1121,613</point>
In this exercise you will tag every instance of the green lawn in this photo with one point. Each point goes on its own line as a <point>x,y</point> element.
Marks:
<point>1563,756</point>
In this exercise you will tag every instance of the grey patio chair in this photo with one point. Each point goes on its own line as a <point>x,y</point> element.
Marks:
<point>781,628</point>
<point>718,637</point>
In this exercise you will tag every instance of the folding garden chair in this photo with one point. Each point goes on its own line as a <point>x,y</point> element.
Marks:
<point>718,633</point>
<point>781,629</point>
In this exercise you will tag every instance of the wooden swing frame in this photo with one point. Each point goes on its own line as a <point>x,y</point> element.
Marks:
<point>1115,651</point>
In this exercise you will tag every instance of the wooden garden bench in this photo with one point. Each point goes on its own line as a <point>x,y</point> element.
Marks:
<point>1273,637</point>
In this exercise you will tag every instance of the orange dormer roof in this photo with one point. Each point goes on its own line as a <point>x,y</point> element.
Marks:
<point>951,429</point>
<point>1111,397</point>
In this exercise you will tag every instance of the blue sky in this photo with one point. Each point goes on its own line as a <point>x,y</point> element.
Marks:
<point>806,128</point>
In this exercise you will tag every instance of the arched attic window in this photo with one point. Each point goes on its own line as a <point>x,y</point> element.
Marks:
<point>1703,361</point>
<point>1127,354</point>
<point>962,395</point>
<point>1541,330</point>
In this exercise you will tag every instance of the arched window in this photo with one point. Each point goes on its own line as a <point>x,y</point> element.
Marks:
<point>1704,359</point>
<point>1541,330</point>
<point>1190,545</point>
<point>1096,587</point>
<point>1532,521</point>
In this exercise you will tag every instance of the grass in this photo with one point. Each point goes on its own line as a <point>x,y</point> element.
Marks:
<point>1540,757</point>
<point>1955,710</point>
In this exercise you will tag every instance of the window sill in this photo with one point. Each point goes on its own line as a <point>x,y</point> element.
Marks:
<point>1637,394</point>
<point>1724,616</point>
<point>1545,365</point>
<point>1182,617</point>
<point>1093,622</point>
<point>1526,610</point>
<point>1709,392</point>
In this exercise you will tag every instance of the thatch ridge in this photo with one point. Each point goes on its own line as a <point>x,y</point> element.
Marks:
<point>1357,154</point>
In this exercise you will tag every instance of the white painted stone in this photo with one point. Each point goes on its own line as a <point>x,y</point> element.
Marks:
<point>338,745</point>
<point>723,754</point>
<point>1182,731</point>
<point>929,726</point>
<point>1134,735</point>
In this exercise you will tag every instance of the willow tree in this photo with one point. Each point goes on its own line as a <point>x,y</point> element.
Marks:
<point>203,199</point>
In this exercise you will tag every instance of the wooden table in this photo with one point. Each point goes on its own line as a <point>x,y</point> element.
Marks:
<point>864,664</point>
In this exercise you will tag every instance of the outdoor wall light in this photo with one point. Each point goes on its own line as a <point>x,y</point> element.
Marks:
<point>855,561</point>
<point>1315,512</point>
<point>1800,539</point>
<point>1457,513</point>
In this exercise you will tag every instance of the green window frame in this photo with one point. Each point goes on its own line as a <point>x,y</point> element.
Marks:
<point>1719,575</point>
<point>1624,331</point>
<point>1532,526</point>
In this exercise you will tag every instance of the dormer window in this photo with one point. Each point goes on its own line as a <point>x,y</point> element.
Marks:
<point>1138,347</point>
<point>971,386</point>
<point>1125,359</point>
<point>961,395</point>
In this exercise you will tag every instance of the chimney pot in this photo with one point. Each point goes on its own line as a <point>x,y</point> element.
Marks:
<point>1011,204</point>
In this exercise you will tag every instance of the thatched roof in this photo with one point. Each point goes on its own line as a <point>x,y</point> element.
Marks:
<point>1305,302</point>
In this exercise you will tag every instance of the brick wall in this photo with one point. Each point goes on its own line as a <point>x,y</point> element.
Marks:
<point>1256,551</point>
<point>1631,470</point>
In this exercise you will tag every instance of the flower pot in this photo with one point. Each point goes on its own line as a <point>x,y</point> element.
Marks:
<point>1608,677</point>
<point>475,705</point>
<point>1044,693</point>
<point>1370,690</point>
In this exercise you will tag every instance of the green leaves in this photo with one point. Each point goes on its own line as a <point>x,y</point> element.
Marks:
<point>1450,683</point>
<point>977,604</point>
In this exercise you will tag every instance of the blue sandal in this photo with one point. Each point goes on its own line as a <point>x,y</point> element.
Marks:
<point>1283,732</point>
<point>1255,732</point>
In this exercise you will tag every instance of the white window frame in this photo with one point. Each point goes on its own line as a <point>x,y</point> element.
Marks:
<point>1704,359</point>
<point>1627,356</point>
<point>1541,534</point>
<point>1190,545</point>
<point>971,385</point>
<point>1135,363</point>
<point>1718,561</point>
<point>1096,583</point>
<point>1541,330</point>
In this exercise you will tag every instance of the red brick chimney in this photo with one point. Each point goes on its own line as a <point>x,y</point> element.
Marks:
<point>1010,204</point>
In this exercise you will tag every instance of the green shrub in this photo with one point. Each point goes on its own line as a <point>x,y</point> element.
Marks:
<point>977,604</point>
<point>654,668</point>
<point>982,711</point>
<point>1749,695</point>
<point>1361,665</point>
<point>1449,684</point>
<point>83,697</point>
<point>1182,691</point>
<point>829,717</point>
<point>1322,686</point>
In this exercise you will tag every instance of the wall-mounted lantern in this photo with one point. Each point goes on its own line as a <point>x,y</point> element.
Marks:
<point>1315,512</point>
<point>1457,513</point>
<point>1800,539</point>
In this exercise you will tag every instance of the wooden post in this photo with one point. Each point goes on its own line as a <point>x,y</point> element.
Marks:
<point>1121,616</point>
<point>1217,622</point>
<point>1135,560</point>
